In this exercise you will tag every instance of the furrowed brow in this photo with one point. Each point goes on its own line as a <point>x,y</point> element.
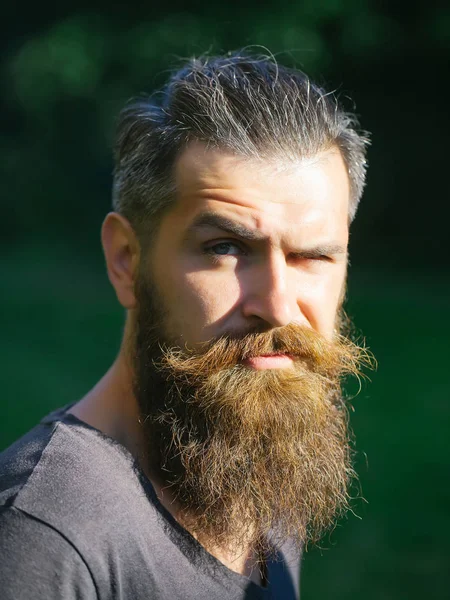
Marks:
<point>210,219</point>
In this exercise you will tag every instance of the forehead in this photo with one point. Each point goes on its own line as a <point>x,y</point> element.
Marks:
<point>267,194</point>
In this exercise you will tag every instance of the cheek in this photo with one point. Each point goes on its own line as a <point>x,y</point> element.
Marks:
<point>208,299</point>
<point>319,302</point>
<point>197,300</point>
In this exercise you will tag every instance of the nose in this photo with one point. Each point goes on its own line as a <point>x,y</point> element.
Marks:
<point>268,294</point>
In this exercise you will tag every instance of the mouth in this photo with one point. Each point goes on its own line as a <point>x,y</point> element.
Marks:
<point>269,361</point>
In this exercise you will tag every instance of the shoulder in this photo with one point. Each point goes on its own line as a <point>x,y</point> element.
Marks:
<point>38,562</point>
<point>84,491</point>
<point>66,473</point>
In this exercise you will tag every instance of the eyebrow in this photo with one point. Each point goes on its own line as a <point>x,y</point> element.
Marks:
<point>212,219</point>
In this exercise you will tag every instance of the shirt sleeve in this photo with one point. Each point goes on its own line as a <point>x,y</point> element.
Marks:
<point>37,562</point>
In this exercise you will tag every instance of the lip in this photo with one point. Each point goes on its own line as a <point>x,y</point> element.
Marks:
<point>269,361</point>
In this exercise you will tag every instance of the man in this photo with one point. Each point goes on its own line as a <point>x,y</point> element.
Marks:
<point>216,445</point>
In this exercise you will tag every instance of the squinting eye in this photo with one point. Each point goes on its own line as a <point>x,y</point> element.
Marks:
<point>319,257</point>
<point>224,249</point>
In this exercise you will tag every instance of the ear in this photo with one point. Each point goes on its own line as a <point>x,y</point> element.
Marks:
<point>122,254</point>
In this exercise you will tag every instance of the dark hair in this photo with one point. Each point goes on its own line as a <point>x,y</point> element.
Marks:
<point>249,105</point>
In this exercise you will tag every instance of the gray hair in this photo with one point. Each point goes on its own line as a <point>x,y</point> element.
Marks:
<point>247,105</point>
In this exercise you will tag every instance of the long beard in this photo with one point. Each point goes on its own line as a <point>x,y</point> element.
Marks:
<point>252,457</point>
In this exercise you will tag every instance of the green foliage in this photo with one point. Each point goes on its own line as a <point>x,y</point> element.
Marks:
<point>69,59</point>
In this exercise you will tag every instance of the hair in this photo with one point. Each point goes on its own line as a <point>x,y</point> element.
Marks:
<point>247,105</point>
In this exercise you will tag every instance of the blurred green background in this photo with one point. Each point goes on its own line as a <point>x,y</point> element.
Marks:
<point>66,71</point>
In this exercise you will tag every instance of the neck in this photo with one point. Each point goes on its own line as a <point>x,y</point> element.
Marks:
<point>112,408</point>
<point>244,560</point>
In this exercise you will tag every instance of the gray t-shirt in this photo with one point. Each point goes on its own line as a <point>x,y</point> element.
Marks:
<point>79,520</point>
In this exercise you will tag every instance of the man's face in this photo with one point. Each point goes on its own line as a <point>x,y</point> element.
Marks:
<point>251,245</point>
<point>244,279</point>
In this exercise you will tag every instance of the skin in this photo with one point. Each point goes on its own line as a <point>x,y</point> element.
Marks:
<point>248,244</point>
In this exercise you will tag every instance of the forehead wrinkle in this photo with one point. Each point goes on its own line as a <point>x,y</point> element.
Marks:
<point>222,186</point>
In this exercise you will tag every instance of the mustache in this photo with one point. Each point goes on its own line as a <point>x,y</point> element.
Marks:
<point>329,358</point>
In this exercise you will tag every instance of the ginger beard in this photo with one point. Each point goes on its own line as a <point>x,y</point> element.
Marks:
<point>252,457</point>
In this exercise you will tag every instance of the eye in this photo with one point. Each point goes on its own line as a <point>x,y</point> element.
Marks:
<point>224,249</point>
<point>313,262</point>
<point>319,259</point>
<point>324,258</point>
<point>313,257</point>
